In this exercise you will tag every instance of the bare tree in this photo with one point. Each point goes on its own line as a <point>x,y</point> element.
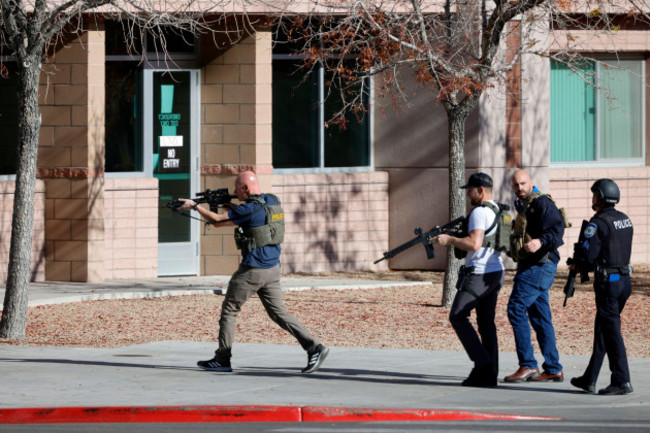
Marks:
<point>453,48</point>
<point>29,31</point>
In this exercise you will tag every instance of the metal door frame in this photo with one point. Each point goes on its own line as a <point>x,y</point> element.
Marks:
<point>177,258</point>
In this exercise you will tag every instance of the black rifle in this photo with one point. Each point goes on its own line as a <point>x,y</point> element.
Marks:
<point>453,228</point>
<point>216,199</point>
<point>570,286</point>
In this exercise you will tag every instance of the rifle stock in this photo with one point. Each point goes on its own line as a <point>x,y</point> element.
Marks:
<point>453,227</point>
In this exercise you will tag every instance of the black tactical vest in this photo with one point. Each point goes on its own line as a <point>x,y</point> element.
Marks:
<point>616,249</point>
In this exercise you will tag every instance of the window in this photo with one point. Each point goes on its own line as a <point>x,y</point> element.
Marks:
<point>8,118</point>
<point>123,117</point>
<point>124,88</point>
<point>300,111</point>
<point>597,113</point>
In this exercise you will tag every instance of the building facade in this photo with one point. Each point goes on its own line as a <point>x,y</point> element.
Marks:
<point>120,138</point>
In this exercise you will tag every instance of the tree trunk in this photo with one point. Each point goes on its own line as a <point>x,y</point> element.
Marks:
<point>14,314</point>
<point>456,122</point>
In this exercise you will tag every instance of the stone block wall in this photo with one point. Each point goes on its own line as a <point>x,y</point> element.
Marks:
<point>71,160</point>
<point>74,234</point>
<point>130,240</point>
<point>7,190</point>
<point>571,189</point>
<point>236,107</point>
<point>131,228</point>
<point>334,221</point>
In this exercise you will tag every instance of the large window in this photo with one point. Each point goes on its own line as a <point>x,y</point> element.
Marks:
<point>8,118</point>
<point>597,112</point>
<point>124,87</point>
<point>300,111</point>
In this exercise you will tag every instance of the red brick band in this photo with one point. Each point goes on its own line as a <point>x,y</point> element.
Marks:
<point>230,169</point>
<point>69,173</point>
<point>206,169</point>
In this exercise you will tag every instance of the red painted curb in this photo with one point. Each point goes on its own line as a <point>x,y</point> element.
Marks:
<point>343,414</point>
<point>146,414</point>
<point>205,414</point>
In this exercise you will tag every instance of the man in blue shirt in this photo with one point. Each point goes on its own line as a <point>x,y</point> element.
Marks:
<point>536,267</point>
<point>259,272</point>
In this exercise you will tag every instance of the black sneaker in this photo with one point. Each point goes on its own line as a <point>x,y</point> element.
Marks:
<point>216,364</point>
<point>316,358</point>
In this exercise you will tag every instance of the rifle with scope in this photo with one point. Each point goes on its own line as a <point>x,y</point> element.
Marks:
<point>454,228</point>
<point>215,198</point>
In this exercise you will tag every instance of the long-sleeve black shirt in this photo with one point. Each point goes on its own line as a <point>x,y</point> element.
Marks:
<point>544,222</point>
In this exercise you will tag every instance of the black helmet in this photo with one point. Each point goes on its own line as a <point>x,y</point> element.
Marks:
<point>606,191</point>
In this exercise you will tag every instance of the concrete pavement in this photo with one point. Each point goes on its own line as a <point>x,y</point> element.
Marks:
<point>44,293</point>
<point>164,374</point>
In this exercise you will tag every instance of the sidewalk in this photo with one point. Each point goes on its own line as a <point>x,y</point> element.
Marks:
<point>163,375</point>
<point>44,293</point>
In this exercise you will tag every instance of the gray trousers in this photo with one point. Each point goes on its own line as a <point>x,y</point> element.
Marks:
<point>245,282</point>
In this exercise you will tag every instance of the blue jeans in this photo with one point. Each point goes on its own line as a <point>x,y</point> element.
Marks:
<point>529,301</point>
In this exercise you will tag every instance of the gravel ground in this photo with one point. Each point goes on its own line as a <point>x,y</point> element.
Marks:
<point>407,317</point>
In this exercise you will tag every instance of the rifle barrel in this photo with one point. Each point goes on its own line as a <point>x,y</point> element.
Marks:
<point>421,237</point>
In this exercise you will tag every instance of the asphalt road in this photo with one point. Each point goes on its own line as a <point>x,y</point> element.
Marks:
<point>564,426</point>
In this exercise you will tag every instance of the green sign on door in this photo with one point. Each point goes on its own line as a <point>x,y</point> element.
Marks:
<point>171,158</point>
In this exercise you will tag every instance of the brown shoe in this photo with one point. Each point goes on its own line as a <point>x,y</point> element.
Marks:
<point>522,375</point>
<point>548,377</point>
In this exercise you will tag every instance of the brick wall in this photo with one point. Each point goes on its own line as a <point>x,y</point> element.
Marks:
<point>131,228</point>
<point>7,189</point>
<point>571,189</point>
<point>334,221</point>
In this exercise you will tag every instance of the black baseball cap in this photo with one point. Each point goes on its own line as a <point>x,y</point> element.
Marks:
<point>478,179</point>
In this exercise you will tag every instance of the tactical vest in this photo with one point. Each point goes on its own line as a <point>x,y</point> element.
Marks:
<point>615,251</point>
<point>271,233</point>
<point>519,235</point>
<point>500,239</point>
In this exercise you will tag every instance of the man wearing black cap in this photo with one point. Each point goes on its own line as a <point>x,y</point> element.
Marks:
<point>479,282</point>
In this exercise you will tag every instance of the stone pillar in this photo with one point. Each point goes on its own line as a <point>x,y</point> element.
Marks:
<point>236,107</point>
<point>71,160</point>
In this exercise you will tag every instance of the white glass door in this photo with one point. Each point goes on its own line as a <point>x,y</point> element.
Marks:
<point>171,126</point>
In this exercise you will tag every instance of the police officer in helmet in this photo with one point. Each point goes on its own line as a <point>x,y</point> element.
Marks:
<point>606,251</point>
